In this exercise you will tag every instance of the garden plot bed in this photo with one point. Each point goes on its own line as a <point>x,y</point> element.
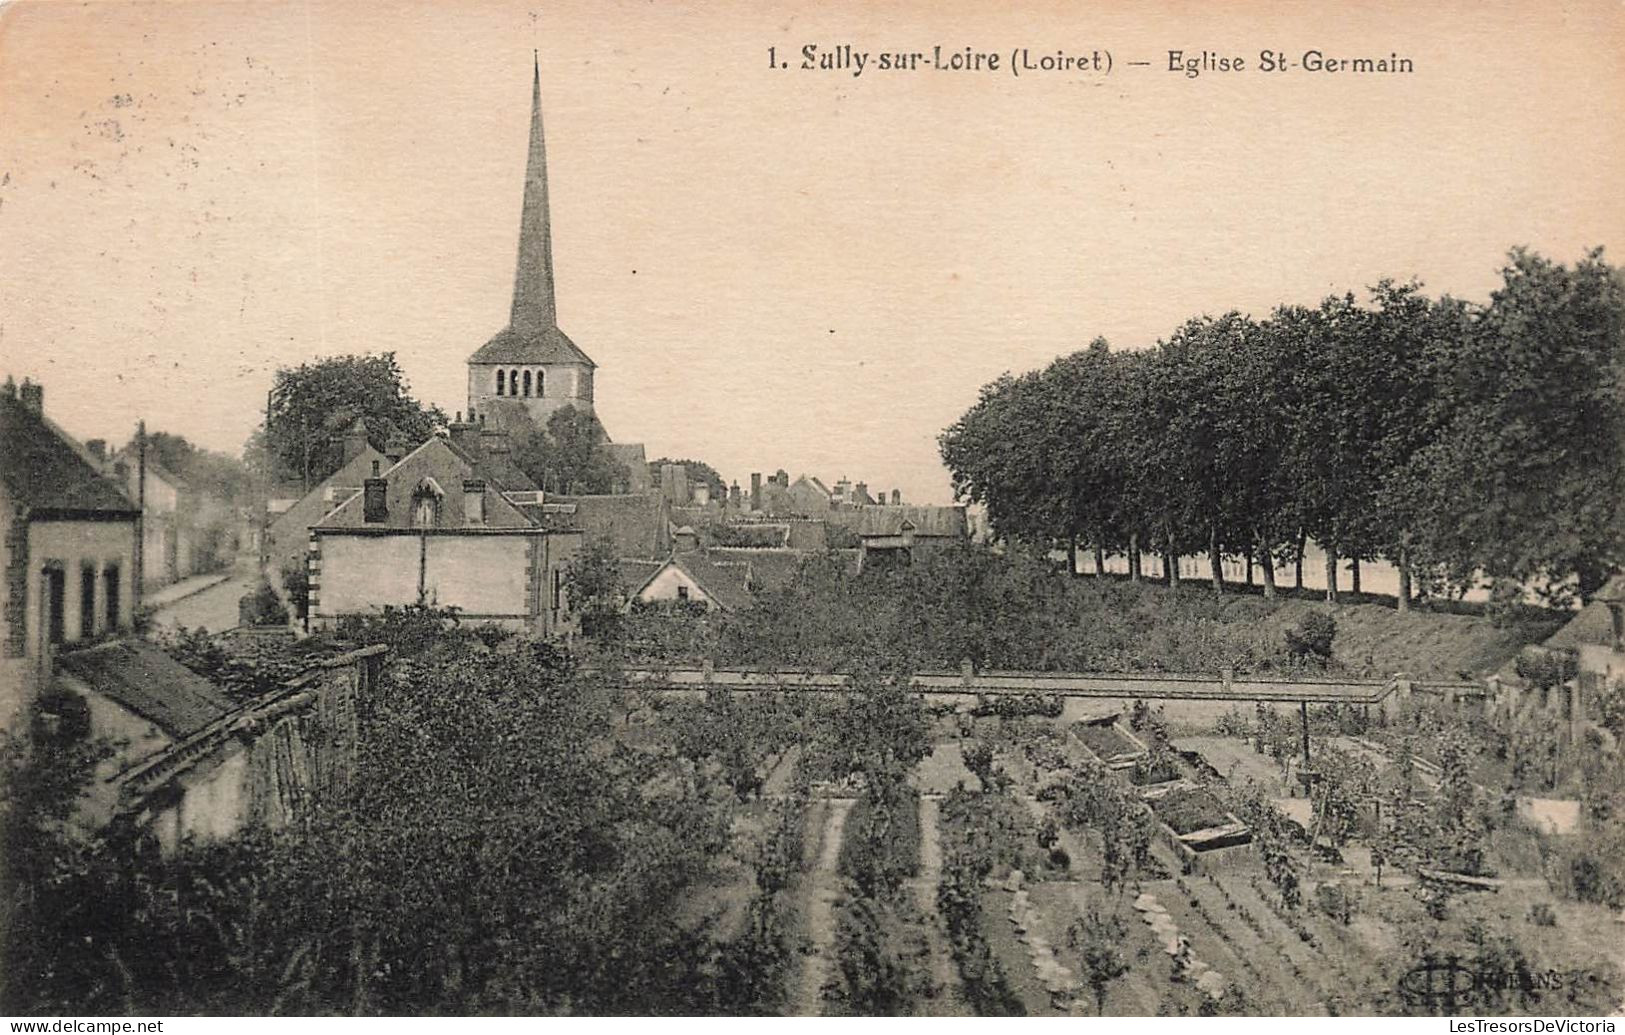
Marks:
<point>1109,742</point>
<point>1194,822</point>
<point>1014,957</point>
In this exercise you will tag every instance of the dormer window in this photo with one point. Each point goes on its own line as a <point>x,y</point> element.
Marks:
<point>426,504</point>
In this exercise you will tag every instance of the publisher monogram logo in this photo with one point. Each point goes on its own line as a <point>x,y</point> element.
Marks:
<point>1449,983</point>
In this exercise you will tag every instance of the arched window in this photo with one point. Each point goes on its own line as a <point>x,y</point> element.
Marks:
<point>513,382</point>
<point>527,382</point>
<point>502,379</point>
<point>538,383</point>
<point>426,499</point>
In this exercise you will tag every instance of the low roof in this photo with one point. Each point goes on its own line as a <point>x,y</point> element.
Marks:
<point>925,521</point>
<point>635,573</point>
<point>148,682</point>
<point>46,473</point>
<point>633,524</point>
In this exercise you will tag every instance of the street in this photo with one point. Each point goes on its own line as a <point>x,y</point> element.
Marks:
<point>215,608</point>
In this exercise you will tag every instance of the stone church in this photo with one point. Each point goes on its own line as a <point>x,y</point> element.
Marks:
<point>531,369</point>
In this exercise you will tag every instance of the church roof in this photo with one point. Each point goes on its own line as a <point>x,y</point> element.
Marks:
<point>532,334</point>
<point>549,345</point>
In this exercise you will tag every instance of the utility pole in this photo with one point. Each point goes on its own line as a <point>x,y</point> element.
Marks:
<point>139,558</point>
<point>265,479</point>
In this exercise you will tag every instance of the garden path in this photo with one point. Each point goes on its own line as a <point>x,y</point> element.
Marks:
<point>820,913</point>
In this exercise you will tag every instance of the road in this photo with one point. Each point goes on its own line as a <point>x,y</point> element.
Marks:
<point>215,609</point>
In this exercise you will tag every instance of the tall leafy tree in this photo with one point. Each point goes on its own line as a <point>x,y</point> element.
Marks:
<point>310,405</point>
<point>1524,482</point>
<point>570,456</point>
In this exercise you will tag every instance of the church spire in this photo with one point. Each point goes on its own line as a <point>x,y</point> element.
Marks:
<point>533,306</point>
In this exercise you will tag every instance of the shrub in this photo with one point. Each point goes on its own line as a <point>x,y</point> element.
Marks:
<point>1311,639</point>
<point>1546,667</point>
<point>262,607</point>
<point>296,583</point>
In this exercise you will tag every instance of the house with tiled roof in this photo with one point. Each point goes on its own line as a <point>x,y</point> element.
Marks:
<point>440,528</point>
<point>191,761</point>
<point>287,537</point>
<point>69,548</point>
<point>695,578</point>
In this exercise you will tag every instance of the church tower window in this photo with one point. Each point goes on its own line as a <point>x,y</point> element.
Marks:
<point>502,377</point>
<point>538,384</point>
<point>527,382</point>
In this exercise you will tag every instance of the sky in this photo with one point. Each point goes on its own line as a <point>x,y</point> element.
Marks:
<point>773,267</point>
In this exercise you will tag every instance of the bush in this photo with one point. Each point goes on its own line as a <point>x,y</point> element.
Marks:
<point>262,607</point>
<point>1311,639</point>
<point>1545,667</point>
<point>296,583</point>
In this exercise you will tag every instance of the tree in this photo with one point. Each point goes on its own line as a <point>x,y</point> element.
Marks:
<point>1523,481</point>
<point>1311,639</point>
<point>1098,939</point>
<point>312,404</point>
<point>597,590</point>
<point>570,456</point>
<point>698,471</point>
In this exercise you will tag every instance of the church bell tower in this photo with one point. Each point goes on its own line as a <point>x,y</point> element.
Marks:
<point>530,369</point>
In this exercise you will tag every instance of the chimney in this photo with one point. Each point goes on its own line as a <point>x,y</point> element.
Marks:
<point>98,449</point>
<point>734,495</point>
<point>474,502</point>
<point>783,478</point>
<point>494,442</point>
<point>862,489</point>
<point>897,497</point>
<point>33,396</point>
<point>685,539</point>
<point>354,441</point>
<point>668,483</point>
<point>466,437</point>
<point>395,448</point>
<point>756,491</point>
<point>702,493</point>
<point>375,507</point>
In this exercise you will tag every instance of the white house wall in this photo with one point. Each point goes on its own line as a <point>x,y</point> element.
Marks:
<point>665,584</point>
<point>482,575</point>
<point>360,574</point>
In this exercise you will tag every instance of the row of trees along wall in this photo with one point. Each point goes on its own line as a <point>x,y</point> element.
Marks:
<point>1456,440</point>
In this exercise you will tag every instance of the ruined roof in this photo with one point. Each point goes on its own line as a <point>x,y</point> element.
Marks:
<point>46,473</point>
<point>148,682</point>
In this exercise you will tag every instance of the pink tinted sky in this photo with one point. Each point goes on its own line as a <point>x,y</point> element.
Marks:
<point>772,268</point>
